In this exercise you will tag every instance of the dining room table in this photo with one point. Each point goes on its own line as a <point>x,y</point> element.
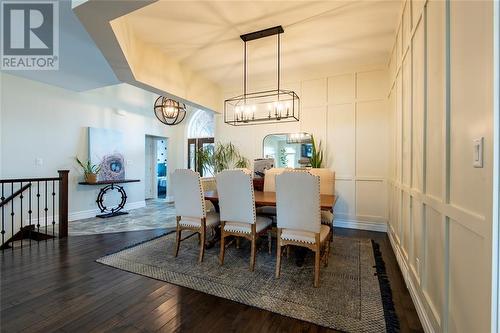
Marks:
<point>327,201</point>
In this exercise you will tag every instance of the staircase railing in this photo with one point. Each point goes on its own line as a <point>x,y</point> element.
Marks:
<point>30,210</point>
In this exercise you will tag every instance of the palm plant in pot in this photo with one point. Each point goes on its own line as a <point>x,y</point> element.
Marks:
<point>220,156</point>
<point>90,170</point>
<point>316,159</point>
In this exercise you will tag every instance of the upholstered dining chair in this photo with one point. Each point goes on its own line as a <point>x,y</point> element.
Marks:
<point>270,186</point>
<point>326,186</point>
<point>190,208</point>
<point>299,217</point>
<point>237,210</point>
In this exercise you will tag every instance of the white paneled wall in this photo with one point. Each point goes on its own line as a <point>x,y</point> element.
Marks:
<point>440,206</point>
<point>349,114</point>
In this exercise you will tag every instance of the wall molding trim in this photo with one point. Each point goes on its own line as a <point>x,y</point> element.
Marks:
<point>85,214</point>
<point>360,225</point>
<point>419,305</point>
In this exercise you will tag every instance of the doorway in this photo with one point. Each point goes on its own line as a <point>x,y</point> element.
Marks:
<point>156,167</point>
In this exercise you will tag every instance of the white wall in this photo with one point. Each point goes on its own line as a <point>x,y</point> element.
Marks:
<point>348,112</point>
<point>440,205</point>
<point>42,121</point>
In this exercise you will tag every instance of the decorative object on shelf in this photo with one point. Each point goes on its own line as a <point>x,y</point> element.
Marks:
<point>90,170</point>
<point>110,186</point>
<point>221,156</point>
<point>316,159</point>
<point>298,138</point>
<point>269,106</point>
<point>168,111</point>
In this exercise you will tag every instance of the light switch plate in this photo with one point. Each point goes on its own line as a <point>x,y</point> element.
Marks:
<point>477,158</point>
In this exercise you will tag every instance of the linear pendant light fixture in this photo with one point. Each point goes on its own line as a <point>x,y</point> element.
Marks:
<point>262,107</point>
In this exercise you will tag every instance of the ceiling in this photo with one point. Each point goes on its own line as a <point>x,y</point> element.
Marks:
<point>204,35</point>
<point>81,64</point>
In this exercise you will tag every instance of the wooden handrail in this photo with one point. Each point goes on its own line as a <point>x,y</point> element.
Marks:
<point>26,180</point>
<point>15,194</point>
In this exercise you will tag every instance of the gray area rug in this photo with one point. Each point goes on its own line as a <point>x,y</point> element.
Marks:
<point>348,299</point>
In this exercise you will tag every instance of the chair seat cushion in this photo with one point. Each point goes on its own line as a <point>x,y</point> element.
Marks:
<point>305,236</point>
<point>326,217</point>
<point>266,210</point>
<point>262,223</point>
<point>194,222</point>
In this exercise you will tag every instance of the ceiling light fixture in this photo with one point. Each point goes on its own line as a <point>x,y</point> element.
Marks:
<point>270,106</point>
<point>168,111</point>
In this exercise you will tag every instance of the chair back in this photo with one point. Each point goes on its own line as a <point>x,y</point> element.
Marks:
<point>188,194</point>
<point>236,196</point>
<point>298,201</point>
<point>326,180</point>
<point>270,178</point>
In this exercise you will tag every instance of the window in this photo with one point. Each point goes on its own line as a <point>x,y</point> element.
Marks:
<point>200,134</point>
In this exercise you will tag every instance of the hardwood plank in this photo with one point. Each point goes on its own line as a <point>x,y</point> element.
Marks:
<point>58,286</point>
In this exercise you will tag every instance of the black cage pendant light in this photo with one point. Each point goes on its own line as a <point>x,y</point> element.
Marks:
<point>262,107</point>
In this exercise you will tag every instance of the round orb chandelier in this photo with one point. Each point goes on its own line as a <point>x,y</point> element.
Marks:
<point>168,111</point>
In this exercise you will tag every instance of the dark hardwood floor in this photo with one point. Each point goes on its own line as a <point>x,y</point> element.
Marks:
<point>58,287</point>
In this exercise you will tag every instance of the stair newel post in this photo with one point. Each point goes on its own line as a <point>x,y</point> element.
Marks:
<point>63,203</point>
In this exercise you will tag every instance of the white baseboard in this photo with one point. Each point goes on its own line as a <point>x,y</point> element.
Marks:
<point>85,214</point>
<point>361,225</point>
<point>169,198</point>
<point>417,301</point>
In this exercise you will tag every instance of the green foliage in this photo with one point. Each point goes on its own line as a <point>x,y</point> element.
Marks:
<point>316,159</point>
<point>220,156</point>
<point>283,161</point>
<point>88,168</point>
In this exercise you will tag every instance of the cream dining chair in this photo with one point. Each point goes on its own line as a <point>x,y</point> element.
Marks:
<point>299,217</point>
<point>190,208</point>
<point>270,186</point>
<point>237,210</point>
<point>326,186</point>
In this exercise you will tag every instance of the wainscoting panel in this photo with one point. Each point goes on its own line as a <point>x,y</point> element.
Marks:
<point>440,206</point>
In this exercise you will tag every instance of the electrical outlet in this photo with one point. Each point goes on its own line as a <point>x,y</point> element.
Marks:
<point>38,162</point>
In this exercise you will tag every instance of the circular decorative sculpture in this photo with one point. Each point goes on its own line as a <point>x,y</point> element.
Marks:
<point>100,199</point>
<point>168,111</point>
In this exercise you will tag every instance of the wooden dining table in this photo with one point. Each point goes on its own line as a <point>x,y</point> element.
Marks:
<point>327,201</point>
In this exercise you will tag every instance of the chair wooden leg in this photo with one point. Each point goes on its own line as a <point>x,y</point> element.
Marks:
<point>202,242</point>
<point>222,248</point>
<point>237,242</point>
<point>269,241</point>
<point>317,256</point>
<point>327,252</point>
<point>316,268</point>
<point>287,250</point>
<point>177,240</point>
<point>252,254</point>
<point>278,253</point>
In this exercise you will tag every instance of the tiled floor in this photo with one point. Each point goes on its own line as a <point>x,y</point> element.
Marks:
<point>156,215</point>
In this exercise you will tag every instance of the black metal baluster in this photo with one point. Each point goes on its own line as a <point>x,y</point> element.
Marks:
<point>21,196</point>
<point>46,210</point>
<point>3,222</point>
<point>12,212</point>
<point>38,205</point>
<point>53,207</point>
<point>30,211</point>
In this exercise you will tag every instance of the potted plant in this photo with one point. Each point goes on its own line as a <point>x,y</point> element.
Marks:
<point>220,156</point>
<point>316,159</point>
<point>90,170</point>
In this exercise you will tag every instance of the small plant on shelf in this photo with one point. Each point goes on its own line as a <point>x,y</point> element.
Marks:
<point>90,171</point>
<point>316,159</point>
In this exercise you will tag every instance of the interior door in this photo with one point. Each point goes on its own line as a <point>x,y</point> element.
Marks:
<point>193,146</point>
